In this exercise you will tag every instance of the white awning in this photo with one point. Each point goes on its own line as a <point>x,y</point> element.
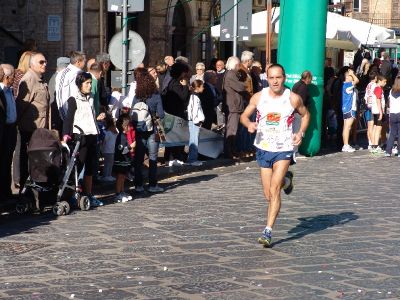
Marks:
<point>341,32</point>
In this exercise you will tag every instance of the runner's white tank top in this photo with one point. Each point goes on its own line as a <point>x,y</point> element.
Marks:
<point>275,118</point>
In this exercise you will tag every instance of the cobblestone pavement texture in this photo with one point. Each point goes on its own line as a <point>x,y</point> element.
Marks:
<point>337,237</point>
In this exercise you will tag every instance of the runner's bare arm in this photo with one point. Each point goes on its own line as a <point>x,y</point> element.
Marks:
<point>298,105</point>
<point>249,110</point>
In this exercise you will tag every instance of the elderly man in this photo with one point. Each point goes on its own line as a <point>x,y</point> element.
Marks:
<point>220,66</point>
<point>32,107</point>
<point>65,81</point>
<point>233,105</point>
<point>245,139</point>
<point>9,138</point>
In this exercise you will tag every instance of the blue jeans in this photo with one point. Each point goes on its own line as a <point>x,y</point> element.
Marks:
<point>145,142</point>
<point>194,132</point>
<point>394,121</point>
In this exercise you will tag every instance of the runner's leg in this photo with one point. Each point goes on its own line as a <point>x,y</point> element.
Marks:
<point>279,170</point>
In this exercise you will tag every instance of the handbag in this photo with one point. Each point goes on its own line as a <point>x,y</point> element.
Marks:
<point>160,132</point>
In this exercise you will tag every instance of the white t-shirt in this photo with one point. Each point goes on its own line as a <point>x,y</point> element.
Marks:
<point>394,104</point>
<point>116,103</point>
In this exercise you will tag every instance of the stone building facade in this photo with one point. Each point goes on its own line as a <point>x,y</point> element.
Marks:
<point>384,13</point>
<point>168,27</point>
<point>53,24</point>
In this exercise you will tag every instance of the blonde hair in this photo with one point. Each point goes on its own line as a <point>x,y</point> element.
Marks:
<point>23,64</point>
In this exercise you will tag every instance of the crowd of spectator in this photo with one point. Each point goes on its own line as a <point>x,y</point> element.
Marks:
<point>115,148</point>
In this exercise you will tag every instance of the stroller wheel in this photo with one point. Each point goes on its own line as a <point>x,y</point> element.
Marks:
<point>23,205</point>
<point>84,203</point>
<point>67,207</point>
<point>58,209</point>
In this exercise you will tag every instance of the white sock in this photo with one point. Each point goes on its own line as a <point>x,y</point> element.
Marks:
<point>268,228</point>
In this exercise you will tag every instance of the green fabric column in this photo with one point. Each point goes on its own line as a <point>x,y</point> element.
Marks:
<point>301,46</point>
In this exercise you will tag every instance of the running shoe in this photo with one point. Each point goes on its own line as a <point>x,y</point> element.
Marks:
<point>139,189</point>
<point>387,154</point>
<point>120,198</point>
<point>348,148</point>
<point>288,184</point>
<point>94,202</point>
<point>378,150</point>
<point>265,238</point>
<point>155,189</point>
<point>127,196</point>
<point>195,163</point>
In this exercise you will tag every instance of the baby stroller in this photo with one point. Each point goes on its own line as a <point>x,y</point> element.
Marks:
<point>50,168</point>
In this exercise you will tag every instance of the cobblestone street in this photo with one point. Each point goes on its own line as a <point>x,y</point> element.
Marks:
<point>337,237</point>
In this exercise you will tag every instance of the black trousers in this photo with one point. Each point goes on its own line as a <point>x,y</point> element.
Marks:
<point>23,157</point>
<point>7,145</point>
<point>232,124</point>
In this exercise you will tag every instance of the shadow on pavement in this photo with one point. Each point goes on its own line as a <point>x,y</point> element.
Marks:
<point>189,180</point>
<point>317,223</point>
<point>14,224</point>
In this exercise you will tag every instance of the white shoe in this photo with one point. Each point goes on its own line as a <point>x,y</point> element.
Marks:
<point>121,198</point>
<point>155,189</point>
<point>139,189</point>
<point>171,163</point>
<point>178,162</point>
<point>127,196</point>
<point>348,148</point>
<point>195,163</point>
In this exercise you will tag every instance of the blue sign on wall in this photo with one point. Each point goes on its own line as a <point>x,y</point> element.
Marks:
<point>53,28</point>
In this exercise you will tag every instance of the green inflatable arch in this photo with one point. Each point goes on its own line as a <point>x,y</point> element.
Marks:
<point>301,46</point>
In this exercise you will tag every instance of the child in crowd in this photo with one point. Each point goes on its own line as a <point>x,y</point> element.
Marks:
<point>196,118</point>
<point>349,107</point>
<point>123,157</point>
<point>108,147</point>
<point>369,98</point>
<point>378,112</point>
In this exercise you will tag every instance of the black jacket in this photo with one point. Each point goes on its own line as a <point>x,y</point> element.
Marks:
<point>300,88</point>
<point>176,99</point>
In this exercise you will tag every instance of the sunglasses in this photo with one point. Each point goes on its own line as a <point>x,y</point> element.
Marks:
<point>42,62</point>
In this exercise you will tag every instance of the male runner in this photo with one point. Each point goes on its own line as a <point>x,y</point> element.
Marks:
<point>275,140</point>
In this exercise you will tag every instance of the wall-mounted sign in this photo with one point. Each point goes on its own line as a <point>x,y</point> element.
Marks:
<point>54,28</point>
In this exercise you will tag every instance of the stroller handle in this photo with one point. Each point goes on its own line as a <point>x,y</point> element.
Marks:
<point>79,129</point>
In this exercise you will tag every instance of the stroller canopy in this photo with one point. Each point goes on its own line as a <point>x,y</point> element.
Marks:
<point>43,139</point>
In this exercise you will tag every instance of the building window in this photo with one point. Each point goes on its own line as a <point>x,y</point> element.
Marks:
<point>357,5</point>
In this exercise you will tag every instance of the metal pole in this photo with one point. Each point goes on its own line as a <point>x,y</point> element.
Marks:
<point>268,36</point>
<point>81,22</point>
<point>124,46</point>
<point>235,29</point>
<point>101,21</point>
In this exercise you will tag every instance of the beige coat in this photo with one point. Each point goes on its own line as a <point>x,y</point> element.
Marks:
<point>32,102</point>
